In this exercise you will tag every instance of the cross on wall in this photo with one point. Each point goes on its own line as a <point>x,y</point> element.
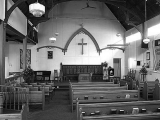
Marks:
<point>82,45</point>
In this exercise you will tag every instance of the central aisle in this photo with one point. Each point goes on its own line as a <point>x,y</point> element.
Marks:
<point>57,109</point>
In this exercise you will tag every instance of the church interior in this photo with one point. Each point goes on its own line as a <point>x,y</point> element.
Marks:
<point>79,59</point>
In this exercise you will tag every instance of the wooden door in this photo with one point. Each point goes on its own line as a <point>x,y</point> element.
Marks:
<point>117,67</point>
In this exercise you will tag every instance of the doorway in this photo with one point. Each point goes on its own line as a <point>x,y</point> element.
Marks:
<point>117,67</point>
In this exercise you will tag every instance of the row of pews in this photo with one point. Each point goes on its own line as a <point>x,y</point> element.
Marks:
<point>13,103</point>
<point>16,100</point>
<point>39,93</point>
<point>109,101</point>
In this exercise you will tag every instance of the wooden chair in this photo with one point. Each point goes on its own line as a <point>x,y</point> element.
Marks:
<point>55,74</point>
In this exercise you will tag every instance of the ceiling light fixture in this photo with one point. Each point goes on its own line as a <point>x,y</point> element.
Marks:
<point>52,39</point>
<point>145,40</point>
<point>37,9</point>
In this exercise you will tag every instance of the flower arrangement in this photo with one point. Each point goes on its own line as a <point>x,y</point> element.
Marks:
<point>28,74</point>
<point>105,64</point>
<point>143,70</point>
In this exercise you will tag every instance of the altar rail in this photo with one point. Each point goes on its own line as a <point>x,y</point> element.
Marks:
<point>14,78</point>
<point>13,97</point>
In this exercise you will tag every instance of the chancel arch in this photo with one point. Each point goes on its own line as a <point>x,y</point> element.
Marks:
<point>82,30</point>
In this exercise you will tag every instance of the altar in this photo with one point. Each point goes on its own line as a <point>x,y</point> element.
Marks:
<point>84,77</point>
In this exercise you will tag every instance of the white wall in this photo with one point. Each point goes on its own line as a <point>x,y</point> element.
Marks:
<point>137,53</point>
<point>17,19</point>
<point>2,9</point>
<point>100,22</point>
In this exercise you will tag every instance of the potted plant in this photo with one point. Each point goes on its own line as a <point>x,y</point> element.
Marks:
<point>143,72</point>
<point>28,75</point>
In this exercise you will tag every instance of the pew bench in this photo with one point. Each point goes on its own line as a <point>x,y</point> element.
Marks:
<point>156,93</point>
<point>90,83</point>
<point>148,89</point>
<point>99,88</point>
<point>16,115</point>
<point>37,98</point>
<point>135,110</point>
<point>83,89</point>
<point>95,85</point>
<point>104,96</point>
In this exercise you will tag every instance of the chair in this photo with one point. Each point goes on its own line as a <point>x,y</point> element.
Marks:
<point>55,74</point>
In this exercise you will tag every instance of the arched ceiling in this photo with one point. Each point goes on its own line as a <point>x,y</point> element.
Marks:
<point>128,12</point>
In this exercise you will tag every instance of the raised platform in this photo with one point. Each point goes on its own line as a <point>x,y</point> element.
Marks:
<point>61,85</point>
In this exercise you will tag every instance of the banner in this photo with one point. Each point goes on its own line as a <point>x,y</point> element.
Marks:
<point>156,50</point>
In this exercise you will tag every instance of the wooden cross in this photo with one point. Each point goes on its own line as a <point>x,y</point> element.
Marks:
<point>82,45</point>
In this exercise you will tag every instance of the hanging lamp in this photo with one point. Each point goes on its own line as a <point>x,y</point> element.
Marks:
<point>146,40</point>
<point>37,9</point>
<point>52,39</point>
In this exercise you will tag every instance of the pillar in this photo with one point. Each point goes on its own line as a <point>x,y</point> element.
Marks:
<point>2,52</point>
<point>24,52</point>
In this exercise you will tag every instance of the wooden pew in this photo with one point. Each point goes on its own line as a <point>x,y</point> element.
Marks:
<point>86,83</point>
<point>148,89</point>
<point>18,115</point>
<point>97,88</point>
<point>93,86</point>
<point>156,93</point>
<point>104,96</point>
<point>141,86</point>
<point>131,83</point>
<point>136,110</point>
<point>36,98</point>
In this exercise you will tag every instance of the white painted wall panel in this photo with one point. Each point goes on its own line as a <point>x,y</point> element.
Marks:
<point>17,19</point>
<point>2,9</point>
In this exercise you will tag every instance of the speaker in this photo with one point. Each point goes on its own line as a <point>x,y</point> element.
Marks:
<point>138,63</point>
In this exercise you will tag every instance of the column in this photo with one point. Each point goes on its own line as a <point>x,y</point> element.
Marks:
<point>2,52</point>
<point>24,52</point>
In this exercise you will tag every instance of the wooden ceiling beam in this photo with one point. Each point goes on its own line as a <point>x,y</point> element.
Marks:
<point>8,13</point>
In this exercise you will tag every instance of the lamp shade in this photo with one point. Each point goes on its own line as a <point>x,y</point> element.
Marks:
<point>146,40</point>
<point>52,39</point>
<point>37,9</point>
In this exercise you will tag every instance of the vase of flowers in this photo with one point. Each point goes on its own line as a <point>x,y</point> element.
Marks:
<point>28,75</point>
<point>143,72</point>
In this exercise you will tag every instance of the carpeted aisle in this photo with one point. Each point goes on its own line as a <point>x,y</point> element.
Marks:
<point>57,109</point>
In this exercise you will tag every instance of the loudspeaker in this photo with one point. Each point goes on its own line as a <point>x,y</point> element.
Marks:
<point>138,63</point>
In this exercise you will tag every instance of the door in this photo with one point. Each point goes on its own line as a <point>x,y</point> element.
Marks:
<point>117,67</point>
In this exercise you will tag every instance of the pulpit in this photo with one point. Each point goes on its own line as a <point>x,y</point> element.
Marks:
<point>84,77</point>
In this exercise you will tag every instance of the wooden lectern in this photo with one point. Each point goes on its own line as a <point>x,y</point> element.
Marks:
<point>84,77</point>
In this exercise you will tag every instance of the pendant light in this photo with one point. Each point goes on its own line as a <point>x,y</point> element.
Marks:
<point>52,39</point>
<point>146,40</point>
<point>37,9</point>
